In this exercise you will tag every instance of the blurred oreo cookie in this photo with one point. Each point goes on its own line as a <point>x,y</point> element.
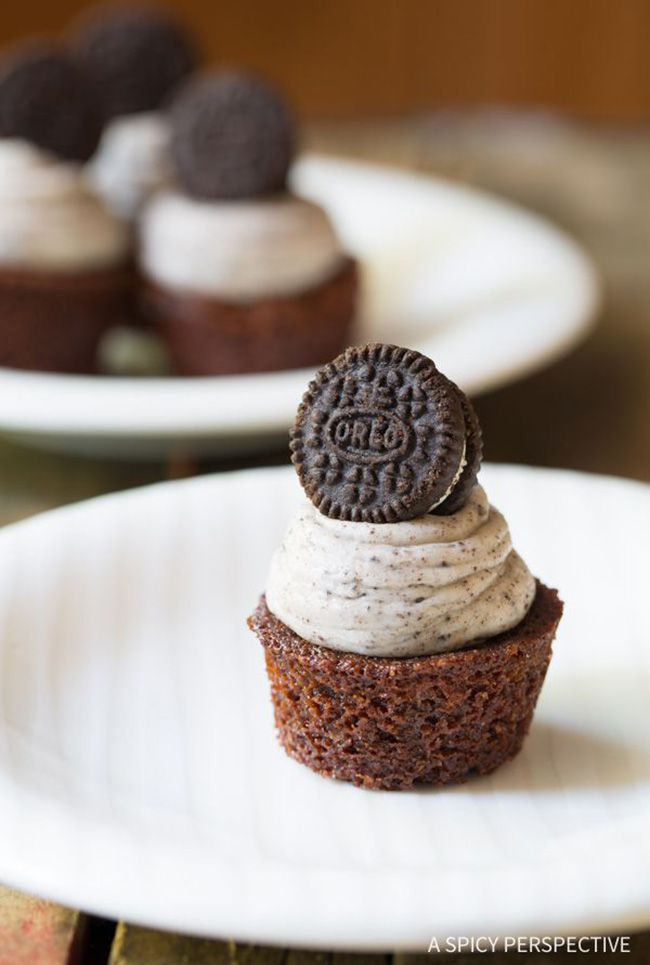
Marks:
<point>137,57</point>
<point>380,436</point>
<point>232,136</point>
<point>46,99</point>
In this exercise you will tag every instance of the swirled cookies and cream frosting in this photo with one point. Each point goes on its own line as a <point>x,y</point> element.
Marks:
<point>399,552</point>
<point>404,589</point>
<point>49,220</point>
<point>238,251</point>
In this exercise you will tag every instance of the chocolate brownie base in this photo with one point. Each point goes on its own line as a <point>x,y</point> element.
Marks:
<point>393,723</point>
<point>53,322</point>
<point>206,336</point>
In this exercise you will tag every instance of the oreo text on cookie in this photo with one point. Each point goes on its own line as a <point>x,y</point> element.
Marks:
<point>367,437</point>
<point>380,436</point>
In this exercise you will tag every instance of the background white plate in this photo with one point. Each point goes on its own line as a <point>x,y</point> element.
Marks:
<point>488,290</point>
<point>140,777</point>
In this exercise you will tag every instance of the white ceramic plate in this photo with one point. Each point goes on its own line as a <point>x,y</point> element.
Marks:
<point>140,776</point>
<point>488,290</point>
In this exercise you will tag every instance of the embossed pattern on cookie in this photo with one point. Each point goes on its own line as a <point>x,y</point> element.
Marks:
<point>379,436</point>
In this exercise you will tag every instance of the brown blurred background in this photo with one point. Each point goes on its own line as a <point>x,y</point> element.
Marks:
<point>344,57</point>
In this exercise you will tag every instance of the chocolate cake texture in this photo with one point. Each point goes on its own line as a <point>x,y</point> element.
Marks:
<point>396,723</point>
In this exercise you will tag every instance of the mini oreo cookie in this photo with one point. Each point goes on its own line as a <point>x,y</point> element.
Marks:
<point>137,57</point>
<point>232,136</point>
<point>379,436</point>
<point>473,455</point>
<point>46,99</point>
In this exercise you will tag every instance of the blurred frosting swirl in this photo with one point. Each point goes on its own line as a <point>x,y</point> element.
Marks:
<point>131,162</point>
<point>238,250</point>
<point>422,586</point>
<point>49,219</point>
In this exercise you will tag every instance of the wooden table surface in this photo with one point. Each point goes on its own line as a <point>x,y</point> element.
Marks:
<point>589,411</point>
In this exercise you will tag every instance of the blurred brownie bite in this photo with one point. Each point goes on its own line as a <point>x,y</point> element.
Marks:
<point>241,275</point>
<point>64,258</point>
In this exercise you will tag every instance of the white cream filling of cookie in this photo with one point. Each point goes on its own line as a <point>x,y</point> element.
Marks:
<point>454,482</point>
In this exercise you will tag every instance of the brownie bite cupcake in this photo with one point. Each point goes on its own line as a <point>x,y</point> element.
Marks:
<point>137,57</point>
<point>241,274</point>
<point>64,273</point>
<point>406,641</point>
